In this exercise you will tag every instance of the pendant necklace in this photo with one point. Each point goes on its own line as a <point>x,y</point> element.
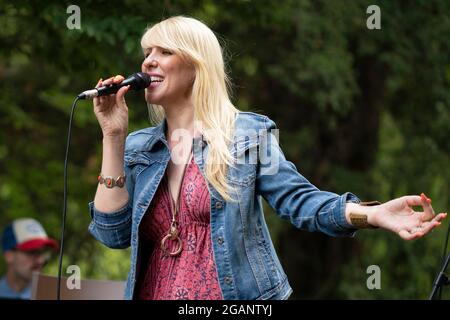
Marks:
<point>173,233</point>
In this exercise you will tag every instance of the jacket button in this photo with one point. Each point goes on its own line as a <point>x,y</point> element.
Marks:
<point>218,205</point>
<point>220,240</point>
<point>227,280</point>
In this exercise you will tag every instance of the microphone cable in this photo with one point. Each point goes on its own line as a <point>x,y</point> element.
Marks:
<point>64,214</point>
<point>138,81</point>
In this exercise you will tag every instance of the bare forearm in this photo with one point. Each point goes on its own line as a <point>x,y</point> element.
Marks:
<point>111,199</point>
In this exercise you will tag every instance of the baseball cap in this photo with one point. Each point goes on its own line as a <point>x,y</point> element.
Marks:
<point>26,234</point>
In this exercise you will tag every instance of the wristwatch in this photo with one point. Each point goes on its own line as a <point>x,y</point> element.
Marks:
<point>359,220</point>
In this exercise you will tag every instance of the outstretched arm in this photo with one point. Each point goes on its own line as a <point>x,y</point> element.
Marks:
<point>399,216</point>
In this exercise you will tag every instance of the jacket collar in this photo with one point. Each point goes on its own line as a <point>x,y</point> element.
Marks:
<point>159,136</point>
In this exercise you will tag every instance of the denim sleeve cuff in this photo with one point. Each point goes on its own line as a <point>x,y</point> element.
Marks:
<point>339,214</point>
<point>110,220</point>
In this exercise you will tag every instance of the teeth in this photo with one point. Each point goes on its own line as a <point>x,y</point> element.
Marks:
<point>156,79</point>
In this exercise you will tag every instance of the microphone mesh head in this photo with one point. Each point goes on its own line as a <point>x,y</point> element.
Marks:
<point>143,80</point>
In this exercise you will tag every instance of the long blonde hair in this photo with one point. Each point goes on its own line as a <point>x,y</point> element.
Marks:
<point>197,44</point>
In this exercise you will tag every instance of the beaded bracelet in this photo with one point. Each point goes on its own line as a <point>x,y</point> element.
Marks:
<point>110,182</point>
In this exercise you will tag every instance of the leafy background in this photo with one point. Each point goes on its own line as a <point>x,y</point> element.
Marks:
<point>359,110</point>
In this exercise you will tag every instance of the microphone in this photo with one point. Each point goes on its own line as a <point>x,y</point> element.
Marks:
<point>137,81</point>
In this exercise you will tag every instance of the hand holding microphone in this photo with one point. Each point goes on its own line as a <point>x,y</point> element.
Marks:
<point>110,107</point>
<point>137,81</point>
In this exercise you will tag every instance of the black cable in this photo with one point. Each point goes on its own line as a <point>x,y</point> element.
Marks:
<point>63,224</point>
<point>444,254</point>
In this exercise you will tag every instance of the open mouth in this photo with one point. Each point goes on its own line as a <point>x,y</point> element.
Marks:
<point>157,79</point>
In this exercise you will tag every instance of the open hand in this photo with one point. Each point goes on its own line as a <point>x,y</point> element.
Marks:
<point>399,216</point>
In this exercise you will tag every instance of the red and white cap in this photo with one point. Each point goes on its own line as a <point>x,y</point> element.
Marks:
<point>26,234</point>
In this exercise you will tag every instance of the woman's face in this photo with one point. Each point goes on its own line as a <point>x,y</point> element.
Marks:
<point>172,77</point>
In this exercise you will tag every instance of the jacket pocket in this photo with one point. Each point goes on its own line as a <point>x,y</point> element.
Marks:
<point>266,255</point>
<point>137,162</point>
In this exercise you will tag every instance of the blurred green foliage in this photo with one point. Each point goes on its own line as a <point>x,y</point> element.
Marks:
<point>359,110</point>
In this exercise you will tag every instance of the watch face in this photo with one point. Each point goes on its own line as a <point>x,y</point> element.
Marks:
<point>360,221</point>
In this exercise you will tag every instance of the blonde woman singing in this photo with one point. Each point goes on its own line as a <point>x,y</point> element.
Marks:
<point>186,194</point>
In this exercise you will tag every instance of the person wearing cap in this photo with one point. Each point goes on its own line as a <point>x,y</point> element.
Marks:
<point>26,248</point>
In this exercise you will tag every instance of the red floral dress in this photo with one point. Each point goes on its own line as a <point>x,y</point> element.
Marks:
<point>192,274</point>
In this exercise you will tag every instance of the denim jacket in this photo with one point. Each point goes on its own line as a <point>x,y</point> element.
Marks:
<point>246,261</point>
